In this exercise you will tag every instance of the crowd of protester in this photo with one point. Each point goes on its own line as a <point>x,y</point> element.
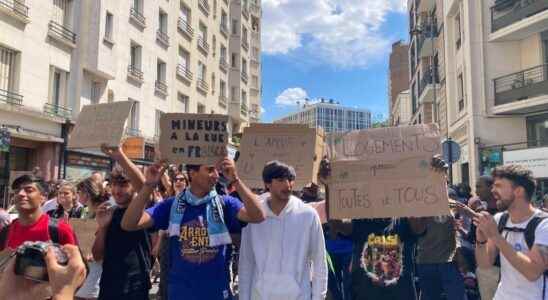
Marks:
<point>201,233</point>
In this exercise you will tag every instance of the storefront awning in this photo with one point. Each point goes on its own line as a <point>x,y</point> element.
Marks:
<point>28,134</point>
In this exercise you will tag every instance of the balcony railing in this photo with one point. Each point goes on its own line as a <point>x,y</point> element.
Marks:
<point>15,6</point>
<point>243,109</point>
<point>223,64</point>
<point>429,31</point>
<point>160,86</point>
<point>203,45</point>
<point>224,29</point>
<point>11,97</point>
<point>521,85</point>
<point>61,32</point>
<point>137,16</point>
<point>185,28</point>
<point>202,85</point>
<point>508,12</point>
<point>162,37</point>
<point>255,36</point>
<point>130,131</point>
<point>255,9</point>
<point>244,77</point>
<point>427,79</point>
<point>184,72</point>
<point>222,101</point>
<point>135,72</point>
<point>204,6</point>
<point>57,110</point>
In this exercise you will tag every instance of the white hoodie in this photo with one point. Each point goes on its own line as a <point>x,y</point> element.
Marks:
<point>277,255</point>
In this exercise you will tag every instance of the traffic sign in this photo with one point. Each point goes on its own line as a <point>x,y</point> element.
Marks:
<point>451,151</point>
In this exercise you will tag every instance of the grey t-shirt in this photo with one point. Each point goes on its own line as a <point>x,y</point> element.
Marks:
<point>438,244</point>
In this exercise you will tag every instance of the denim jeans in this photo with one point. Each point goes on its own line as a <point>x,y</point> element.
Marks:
<point>438,279</point>
<point>339,283</point>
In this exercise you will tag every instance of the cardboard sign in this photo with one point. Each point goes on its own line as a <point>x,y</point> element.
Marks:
<point>385,172</point>
<point>134,147</point>
<point>296,145</point>
<point>85,230</point>
<point>100,124</point>
<point>195,139</point>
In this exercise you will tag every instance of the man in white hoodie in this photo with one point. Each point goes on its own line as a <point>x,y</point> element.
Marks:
<point>283,258</point>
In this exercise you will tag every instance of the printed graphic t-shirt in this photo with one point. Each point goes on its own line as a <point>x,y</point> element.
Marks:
<point>197,271</point>
<point>382,265</point>
<point>38,231</point>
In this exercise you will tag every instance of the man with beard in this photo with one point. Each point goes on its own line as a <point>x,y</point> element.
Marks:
<point>519,236</point>
<point>284,256</point>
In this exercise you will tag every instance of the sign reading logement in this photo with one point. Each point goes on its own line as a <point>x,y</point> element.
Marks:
<point>385,172</point>
<point>296,145</point>
<point>100,124</point>
<point>193,138</point>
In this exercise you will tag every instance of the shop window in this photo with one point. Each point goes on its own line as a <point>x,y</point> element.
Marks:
<point>537,131</point>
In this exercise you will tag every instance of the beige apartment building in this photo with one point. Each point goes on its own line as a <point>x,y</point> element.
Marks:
<point>426,63</point>
<point>497,85</point>
<point>199,56</point>
<point>402,110</point>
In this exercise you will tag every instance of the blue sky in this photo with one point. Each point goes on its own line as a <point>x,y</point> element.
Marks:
<point>328,48</point>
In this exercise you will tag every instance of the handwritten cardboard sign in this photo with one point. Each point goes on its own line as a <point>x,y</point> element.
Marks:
<point>385,172</point>
<point>193,138</point>
<point>294,144</point>
<point>85,230</point>
<point>100,124</point>
<point>134,147</point>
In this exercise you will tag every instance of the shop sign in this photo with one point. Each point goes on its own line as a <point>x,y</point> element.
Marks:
<point>535,159</point>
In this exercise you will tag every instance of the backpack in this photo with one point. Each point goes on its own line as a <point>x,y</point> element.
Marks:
<point>529,235</point>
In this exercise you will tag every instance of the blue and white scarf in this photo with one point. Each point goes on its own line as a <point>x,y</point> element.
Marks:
<point>216,227</point>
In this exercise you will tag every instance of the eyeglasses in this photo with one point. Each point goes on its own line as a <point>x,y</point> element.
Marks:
<point>180,179</point>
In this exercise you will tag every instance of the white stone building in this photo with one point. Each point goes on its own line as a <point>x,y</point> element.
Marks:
<point>168,56</point>
<point>330,116</point>
<point>497,82</point>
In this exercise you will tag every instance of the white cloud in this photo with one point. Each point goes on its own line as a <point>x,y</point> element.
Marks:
<point>344,33</point>
<point>291,96</point>
<point>262,110</point>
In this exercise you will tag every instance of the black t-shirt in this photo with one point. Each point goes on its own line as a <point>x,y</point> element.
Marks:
<point>382,259</point>
<point>126,263</point>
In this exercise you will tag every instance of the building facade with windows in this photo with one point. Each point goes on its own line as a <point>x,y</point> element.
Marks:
<point>167,56</point>
<point>330,116</point>
<point>401,110</point>
<point>37,43</point>
<point>497,84</point>
<point>426,63</point>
